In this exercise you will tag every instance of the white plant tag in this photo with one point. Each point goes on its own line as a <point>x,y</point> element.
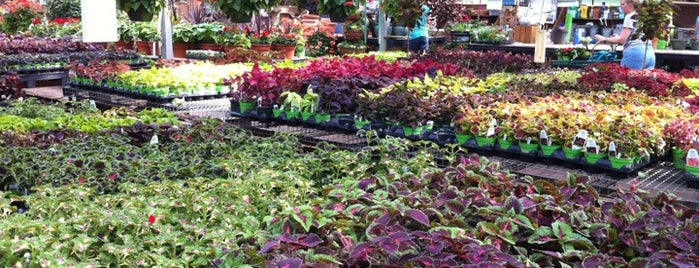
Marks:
<point>493,122</point>
<point>429,124</point>
<point>592,147</point>
<point>579,140</point>
<point>490,132</point>
<point>276,106</point>
<point>529,140</point>
<point>544,138</point>
<point>612,150</point>
<point>504,136</point>
<point>281,108</point>
<point>692,158</point>
<point>93,104</point>
<point>154,139</point>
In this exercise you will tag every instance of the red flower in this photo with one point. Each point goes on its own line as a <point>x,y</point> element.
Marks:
<point>151,219</point>
<point>81,180</point>
<point>349,3</point>
<point>36,21</point>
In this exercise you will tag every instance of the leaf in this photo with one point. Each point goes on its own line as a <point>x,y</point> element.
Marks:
<point>418,216</point>
<point>680,243</point>
<point>489,228</point>
<point>542,235</point>
<point>310,240</point>
<point>455,206</point>
<point>267,247</point>
<point>561,229</point>
<point>522,220</point>
<point>360,252</point>
<point>513,203</point>
<point>290,263</point>
<point>593,261</point>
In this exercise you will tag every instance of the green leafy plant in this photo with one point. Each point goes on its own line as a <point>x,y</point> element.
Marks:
<point>654,18</point>
<point>19,15</point>
<point>150,7</point>
<point>182,32</point>
<point>62,9</point>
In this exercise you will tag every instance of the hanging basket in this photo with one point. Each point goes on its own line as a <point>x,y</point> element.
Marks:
<point>140,14</point>
<point>240,18</point>
<point>356,34</point>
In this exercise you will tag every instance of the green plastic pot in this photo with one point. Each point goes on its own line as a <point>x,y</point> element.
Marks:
<point>277,112</point>
<point>593,158</point>
<point>246,106</point>
<point>485,141</point>
<point>359,124</point>
<point>291,115</point>
<point>571,153</point>
<point>678,158</point>
<point>549,149</point>
<point>692,170</point>
<point>306,115</point>
<point>463,138</point>
<point>618,163</point>
<point>528,147</point>
<point>321,118</point>
<point>504,144</point>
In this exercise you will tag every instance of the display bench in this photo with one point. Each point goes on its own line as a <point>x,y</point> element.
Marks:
<point>211,107</point>
<point>672,60</point>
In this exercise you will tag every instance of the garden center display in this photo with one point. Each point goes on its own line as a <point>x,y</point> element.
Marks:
<point>128,169</point>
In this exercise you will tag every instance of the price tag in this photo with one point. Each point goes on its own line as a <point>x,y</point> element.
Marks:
<point>544,138</point>
<point>612,150</point>
<point>154,139</point>
<point>579,140</point>
<point>592,147</point>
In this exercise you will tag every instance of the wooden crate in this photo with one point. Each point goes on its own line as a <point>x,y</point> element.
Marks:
<point>525,34</point>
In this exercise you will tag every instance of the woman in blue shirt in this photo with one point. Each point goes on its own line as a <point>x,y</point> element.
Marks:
<point>638,53</point>
<point>419,36</point>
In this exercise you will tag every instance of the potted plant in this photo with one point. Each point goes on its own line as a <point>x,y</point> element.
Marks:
<point>127,35</point>
<point>140,10</point>
<point>260,42</point>
<point>240,11</point>
<point>654,18</point>
<point>182,35</point>
<point>351,47</point>
<point>404,12</point>
<point>230,37</point>
<point>205,34</point>
<point>353,29</point>
<point>255,87</point>
<point>339,10</point>
<point>146,37</point>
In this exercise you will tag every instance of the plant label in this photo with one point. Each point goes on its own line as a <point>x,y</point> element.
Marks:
<point>93,104</point>
<point>504,136</point>
<point>154,139</point>
<point>490,132</point>
<point>692,158</point>
<point>529,140</point>
<point>494,122</point>
<point>579,141</point>
<point>612,150</point>
<point>544,138</point>
<point>592,147</point>
<point>276,107</point>
<point>282,107</point>
<point>429,124</point>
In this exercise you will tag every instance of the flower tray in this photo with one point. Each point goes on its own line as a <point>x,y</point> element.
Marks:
<point>345,51</point>
<point>577,63</point>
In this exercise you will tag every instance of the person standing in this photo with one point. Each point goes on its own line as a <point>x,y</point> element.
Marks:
<point>638,53</point>
<point>419,36</point>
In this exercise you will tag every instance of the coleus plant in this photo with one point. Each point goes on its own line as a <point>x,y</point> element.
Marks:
<point>16,44</point>
<point>255,86</point>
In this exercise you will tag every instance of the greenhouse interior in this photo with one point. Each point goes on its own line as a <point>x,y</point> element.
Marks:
<point>262,133</point>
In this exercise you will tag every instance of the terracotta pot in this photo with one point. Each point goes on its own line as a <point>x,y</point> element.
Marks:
<point>261,47</point>
<point>179,50</point>
<point>214,47</point>
<point>145,47</point>
<point>287,51</point>
<point>121,45</point>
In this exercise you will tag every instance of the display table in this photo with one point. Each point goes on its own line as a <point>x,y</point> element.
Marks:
<point>672,60</point>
